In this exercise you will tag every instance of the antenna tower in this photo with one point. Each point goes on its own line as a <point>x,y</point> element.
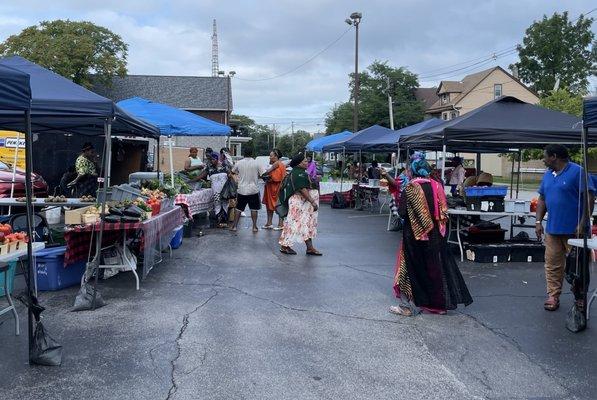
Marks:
<point>215,67</point>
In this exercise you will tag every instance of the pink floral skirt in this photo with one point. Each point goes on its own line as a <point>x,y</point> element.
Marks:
<point>301,222</point>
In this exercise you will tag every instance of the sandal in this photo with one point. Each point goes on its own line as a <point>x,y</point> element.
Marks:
<point>314,252</point>
<point>552,303</point>
<point>404,311</point>
<point>278,228</point>
<point>287,250</point>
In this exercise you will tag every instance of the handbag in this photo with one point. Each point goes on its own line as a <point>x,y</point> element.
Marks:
<point>229,190</point>
<point>286,190</point>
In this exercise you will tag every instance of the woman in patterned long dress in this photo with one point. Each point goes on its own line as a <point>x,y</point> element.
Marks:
<point>427,276</point>
<point>300,224</point>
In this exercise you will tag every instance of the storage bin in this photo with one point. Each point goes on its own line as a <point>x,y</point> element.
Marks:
<point>488,204</point>
<point>484,191</point>
<point>527,252</point>
<point>51,272</point>
<point>517,206</point>
<point>488,253</point>
<point>10,278</point>
<point>486,236</point>
<point>125,192</point>
<point>176,241</point>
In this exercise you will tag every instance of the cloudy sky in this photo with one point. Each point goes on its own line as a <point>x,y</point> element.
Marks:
<point>265,39</point>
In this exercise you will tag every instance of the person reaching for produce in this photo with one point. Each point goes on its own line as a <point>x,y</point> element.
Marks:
<point>86,181</point>
<point>193,165</point>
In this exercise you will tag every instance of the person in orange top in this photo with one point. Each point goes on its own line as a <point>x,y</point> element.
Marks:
<point>273,178</point>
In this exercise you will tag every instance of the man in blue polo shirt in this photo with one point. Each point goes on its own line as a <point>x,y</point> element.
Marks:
<point>560,195</point>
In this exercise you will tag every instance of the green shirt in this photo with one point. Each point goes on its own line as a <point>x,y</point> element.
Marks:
<point>84,166</point>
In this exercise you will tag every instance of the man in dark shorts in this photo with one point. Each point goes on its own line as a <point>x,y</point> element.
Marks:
<point>248,171</point>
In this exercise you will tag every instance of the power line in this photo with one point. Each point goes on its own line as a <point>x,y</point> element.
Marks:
<point>494,57</point>
<point>467,62</point>
<point>302,64</point>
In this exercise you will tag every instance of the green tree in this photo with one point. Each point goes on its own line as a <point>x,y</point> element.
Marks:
<point>373,99</point>
<point>558,48</point>
<point>73,49</point>
<point>563,100</point>
<point>262,136</point>
<point>291,144</point>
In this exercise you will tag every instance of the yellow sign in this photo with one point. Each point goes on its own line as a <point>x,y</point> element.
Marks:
<point>12,143</point>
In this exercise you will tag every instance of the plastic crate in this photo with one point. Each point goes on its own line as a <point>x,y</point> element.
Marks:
<point>11,277</point>
<point>489,204</point>
<point>488,253</point>
<point>51,272</point>
<point>486,236</point>
<point>484,191</point>
<point>176,241</point>
<point>125,192</point>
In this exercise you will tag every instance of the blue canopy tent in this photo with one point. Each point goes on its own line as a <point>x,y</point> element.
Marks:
<point>317,144</point>
<point>172,121</point>
<point>389,141</point>
<point>357,141</point>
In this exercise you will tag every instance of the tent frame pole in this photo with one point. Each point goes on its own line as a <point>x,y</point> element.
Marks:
<point>14,171</point>
<point>444,162</point>
<point>512,176</point>
<point>518,174</point>
<point>171,161</point>
<point>29,205</point>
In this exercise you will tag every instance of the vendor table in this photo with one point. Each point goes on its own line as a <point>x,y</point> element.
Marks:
<point>197,202</point>
<point>457,214</point>
<point>4,260</point>
<point>154,236</point>
<point>367,195</point>
<point>42,203</point>
<point>591,244</point>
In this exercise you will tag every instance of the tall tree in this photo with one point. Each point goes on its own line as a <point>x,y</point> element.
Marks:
<point>563,100</point>
<point>558,48</point>
<point>375,82</point>
<point>73,49</point>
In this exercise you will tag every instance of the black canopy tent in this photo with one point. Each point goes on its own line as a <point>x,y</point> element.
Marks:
<point>504,125</point>
<point>58,105</point>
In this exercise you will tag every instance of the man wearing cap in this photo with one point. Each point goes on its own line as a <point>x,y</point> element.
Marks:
<point>86,180</point>
<point>560,195</point>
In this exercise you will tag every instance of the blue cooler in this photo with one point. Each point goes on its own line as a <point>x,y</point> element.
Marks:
<point>51,272</point>
<point>11,276</point>
<point>176,241</point>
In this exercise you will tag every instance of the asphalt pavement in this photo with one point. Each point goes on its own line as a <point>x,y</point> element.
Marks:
<point>229,317</point>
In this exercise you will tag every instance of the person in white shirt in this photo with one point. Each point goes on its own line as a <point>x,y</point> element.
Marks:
<point>248,171</point>
<point>457,177</point>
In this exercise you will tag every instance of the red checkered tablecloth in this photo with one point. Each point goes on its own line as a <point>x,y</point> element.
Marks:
<point>152,234</point>
<point>197,202</point>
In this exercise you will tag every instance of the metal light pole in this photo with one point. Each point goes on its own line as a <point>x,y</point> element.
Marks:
<point>229,98</point>
<point>355,19</point>
<point>391,108</point>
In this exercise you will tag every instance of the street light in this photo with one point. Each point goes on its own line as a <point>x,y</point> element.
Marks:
<point>229,98</point>
<point>355,19</point>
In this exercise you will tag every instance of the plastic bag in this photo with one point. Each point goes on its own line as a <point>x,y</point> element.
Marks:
<point>45,350</point>
<point>229,190</point>
<point>576,319</point>
<point>395,223</point>
<point>84,298</point>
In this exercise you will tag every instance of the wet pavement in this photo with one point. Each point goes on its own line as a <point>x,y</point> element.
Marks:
<point>229,317</point>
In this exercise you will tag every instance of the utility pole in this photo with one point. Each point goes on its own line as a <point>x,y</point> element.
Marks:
<point>274,131</point>
<point>390,106</point>
<point>355,19</point>
<point>292,136</point>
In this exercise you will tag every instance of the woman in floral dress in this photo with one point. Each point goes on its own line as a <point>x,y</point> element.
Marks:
<point>302,198</point>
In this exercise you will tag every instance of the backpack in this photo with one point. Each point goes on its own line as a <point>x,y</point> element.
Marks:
<point>338,201</point>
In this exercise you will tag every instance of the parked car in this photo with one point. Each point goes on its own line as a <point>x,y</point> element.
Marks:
<point>40,187</point>
<point>386,166</point>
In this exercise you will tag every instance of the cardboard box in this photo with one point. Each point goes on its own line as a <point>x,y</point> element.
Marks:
<point>75,217</point>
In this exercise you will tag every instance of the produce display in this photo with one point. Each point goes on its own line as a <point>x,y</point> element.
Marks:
<point>12,241</point>
<point>24,199</point>
<point>56,199</point>
<point>86,199</point>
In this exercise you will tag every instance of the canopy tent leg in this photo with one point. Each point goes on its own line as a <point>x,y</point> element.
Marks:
<point>94,264</point>
<point>512,177</point>
<point>342,169</point>
<point>29,211</point>
<point>14,171</point>
<point>478,162</point>
<point>518,174</point>
<point>171,161</point>
<point>444,163</point>
<point>584,273</point>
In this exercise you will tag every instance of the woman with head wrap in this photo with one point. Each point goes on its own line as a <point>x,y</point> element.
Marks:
<point>273,177</point>
<point>218,175</point>
<point>427,276</point>
<point>301,198</point>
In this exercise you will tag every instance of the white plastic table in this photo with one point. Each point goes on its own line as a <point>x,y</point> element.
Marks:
<point>11,201</point>
<point>459,213</point>
<point>4,260</point>
<point>591,244</point>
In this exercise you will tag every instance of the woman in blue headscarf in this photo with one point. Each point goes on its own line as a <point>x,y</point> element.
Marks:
<point>426,277</point>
